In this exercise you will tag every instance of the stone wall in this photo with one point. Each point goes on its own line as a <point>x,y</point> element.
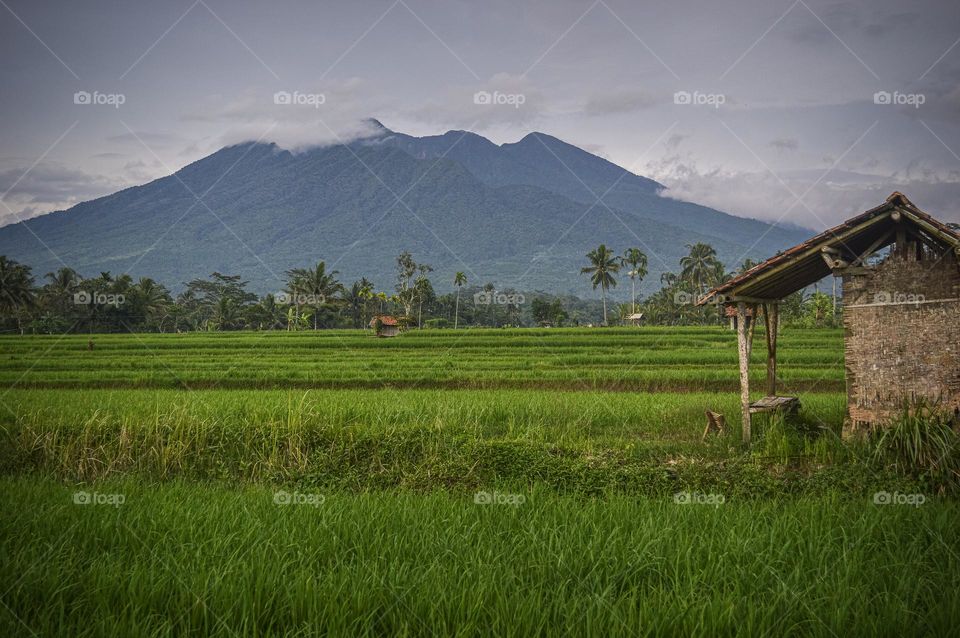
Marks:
<point>902,321</point>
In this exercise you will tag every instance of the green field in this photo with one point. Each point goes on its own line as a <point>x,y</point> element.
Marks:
<point>588,435</point>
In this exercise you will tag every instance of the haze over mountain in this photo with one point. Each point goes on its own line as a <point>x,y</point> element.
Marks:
<point>519,215</point>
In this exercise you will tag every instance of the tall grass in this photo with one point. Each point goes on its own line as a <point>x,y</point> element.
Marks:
<point>921,442</point>
<point>181,561</point>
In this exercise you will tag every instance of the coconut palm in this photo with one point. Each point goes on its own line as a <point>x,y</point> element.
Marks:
<point>603,263</point>
<point>423,290</point>
<point>315,287</point>
<point>60,287</point>
<point>636,261</point>
<point>16,289</point>
<point>700,266</point>
<point>458,280</point>
<point>356,297</point>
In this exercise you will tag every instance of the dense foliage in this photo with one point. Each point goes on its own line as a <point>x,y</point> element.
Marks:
<point>313,298</point>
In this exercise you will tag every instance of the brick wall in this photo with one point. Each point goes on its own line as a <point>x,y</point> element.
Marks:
<point>901,340</point>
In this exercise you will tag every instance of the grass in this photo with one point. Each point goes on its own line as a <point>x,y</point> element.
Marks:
<point>177,560</point>
<point>597,430</point>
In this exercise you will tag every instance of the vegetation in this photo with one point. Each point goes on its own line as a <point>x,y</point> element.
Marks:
<point>315,298</point>
<point>603,265</point>
<point>175,559</point>
<point>275,483</point>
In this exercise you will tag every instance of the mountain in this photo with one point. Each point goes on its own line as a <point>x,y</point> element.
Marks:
<point>521,215</point>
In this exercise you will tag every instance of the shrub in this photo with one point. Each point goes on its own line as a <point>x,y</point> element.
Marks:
<point>920,442</point>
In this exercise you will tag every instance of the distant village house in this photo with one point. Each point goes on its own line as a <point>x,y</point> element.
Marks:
<point>385,326</point>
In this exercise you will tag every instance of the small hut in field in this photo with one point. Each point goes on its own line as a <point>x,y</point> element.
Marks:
<point>901,311</point>
<point>636,318</point>
<point>385,326</point>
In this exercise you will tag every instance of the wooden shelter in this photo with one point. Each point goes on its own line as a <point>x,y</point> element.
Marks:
<point>901,313</point>
<point>385,326</point>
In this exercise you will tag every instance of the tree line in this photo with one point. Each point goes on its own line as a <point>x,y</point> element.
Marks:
<point>314,298</point>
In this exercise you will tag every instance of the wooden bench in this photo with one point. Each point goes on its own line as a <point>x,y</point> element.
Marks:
<point>787,405</point>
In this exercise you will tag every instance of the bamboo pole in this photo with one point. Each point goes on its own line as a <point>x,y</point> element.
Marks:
<point>771,319</point>
<point>743,350</point>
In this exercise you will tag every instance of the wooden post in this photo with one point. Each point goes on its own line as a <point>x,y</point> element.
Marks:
<point>743,349</point>
<point>771,317</point>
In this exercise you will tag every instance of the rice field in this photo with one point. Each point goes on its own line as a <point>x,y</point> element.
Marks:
<point>519,482</point>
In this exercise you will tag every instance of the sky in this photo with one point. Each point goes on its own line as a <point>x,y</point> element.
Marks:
<point>800,112</point>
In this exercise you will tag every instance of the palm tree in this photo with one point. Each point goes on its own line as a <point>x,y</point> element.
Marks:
<point>458,280</point>
<point>636,260</point>
<point>700,267</point>
<point>357,296</point>
<point>154,299</point>
<point>16,289</point>
<point>315,287</point>
<point>602,264</point>
<point>60,287</point>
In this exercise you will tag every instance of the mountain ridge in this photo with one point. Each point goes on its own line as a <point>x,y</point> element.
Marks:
<point>519,214</point>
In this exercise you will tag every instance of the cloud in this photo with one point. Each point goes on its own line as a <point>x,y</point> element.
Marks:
<point>50,186</point>
<point>294,117</point>
<point>831,199</point>
<point>673,142</point>
<point>150,138</point>
<point>505,100</point>
<point>617,102</point>
<point>785,144</point>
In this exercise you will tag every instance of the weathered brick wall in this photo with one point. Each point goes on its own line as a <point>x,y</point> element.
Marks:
<point>902,323</point>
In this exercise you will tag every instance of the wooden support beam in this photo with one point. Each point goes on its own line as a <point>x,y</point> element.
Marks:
<point>772,273</point>
<point>771,319</point>
<point>743,351</point>
<point>872,249</point>
<point>833,263</point>
<point>750,300</point>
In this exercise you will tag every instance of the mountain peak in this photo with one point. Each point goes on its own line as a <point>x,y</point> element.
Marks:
<point>377,126</point>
